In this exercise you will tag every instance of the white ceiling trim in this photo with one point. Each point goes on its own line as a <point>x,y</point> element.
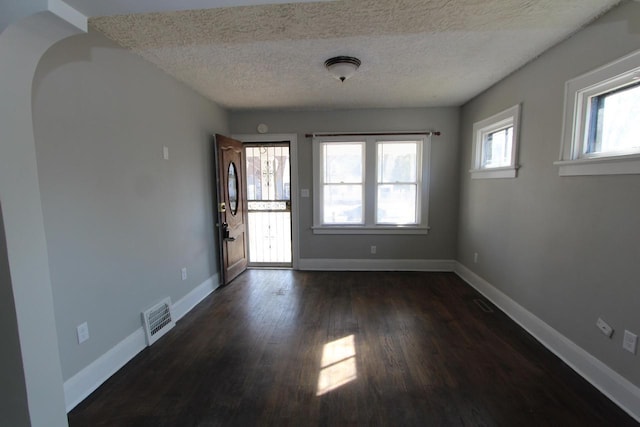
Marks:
<point>69,14</point>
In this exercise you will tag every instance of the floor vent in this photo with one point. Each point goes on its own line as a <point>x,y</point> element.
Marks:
<point>158,320</point>
<point>483,305</point>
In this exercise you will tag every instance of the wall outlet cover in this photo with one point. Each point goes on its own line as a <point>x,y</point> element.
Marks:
<point>604,327</point>
<point>630,341</point>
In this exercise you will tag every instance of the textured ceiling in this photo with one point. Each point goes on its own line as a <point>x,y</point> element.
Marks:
<point>123,7</point>
<point>414,53</point>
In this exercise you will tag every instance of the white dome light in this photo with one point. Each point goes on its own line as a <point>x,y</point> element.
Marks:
<point>342,67</point>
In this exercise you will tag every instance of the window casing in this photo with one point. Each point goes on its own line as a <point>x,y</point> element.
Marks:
<point>371,185</point>
<point>601,128</point>
<point>495,145</point>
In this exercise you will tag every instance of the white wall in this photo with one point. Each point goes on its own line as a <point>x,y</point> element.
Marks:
<point>440,243</point>
<point>120,221</point>
<point>565,248</point>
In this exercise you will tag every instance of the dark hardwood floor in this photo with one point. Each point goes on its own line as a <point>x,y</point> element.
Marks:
<point>281,347</point>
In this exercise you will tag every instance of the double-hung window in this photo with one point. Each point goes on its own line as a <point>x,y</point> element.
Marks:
<point>371,185</point>
<point>601,126</point>
<point>397,183</point>
<point>342,182</point>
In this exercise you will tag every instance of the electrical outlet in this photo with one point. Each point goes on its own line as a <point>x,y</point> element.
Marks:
<point>604,327</point>
<point>183,271</point>
<point>475,257</point>
<point>373,249</point>
<point>630,341</point>
<point>83,332</point>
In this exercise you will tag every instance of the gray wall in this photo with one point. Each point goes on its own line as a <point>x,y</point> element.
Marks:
<point>14,10</point>
<point>443,200</point>
<point>565,248</point>
<point>22,45</point>
<point>14,410</point>
<point>120,221</point>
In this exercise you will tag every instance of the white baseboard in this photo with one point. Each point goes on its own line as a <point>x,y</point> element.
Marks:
<point>617,388</point>
<point>82,384</point>
<point>190,300</point>
<point>327,264</point>
<point>85,382</point>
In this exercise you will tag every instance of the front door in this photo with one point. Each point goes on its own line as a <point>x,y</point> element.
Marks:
<point>232,207</point>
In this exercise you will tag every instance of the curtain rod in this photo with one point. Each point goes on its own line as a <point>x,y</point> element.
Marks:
<point>312,135</point>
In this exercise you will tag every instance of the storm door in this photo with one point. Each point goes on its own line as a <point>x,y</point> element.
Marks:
<point>268,204</point>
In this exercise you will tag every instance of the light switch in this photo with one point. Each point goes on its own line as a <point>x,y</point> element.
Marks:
<point>83,332</point>
<point>165,153</point>
<point>630,341</point>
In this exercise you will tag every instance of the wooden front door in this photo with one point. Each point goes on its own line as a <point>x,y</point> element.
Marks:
<point>232,207</point>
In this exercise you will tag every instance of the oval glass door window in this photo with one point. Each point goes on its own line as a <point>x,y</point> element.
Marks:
<point>232,188</point>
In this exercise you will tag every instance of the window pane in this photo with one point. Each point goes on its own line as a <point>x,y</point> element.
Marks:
<point>496,148</point>
<point>268,173</point>
<point>397,162</point>
<point>614,124</point>
<point>343,163</point>
<point>342,204</point>
<point>396,204</point>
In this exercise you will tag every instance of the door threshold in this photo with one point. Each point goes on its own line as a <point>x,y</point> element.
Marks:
<point>270,267</point>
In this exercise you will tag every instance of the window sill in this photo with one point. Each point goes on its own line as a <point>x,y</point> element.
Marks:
<point>505,172</point>
<point>618,165</point>
<point>346,229</point>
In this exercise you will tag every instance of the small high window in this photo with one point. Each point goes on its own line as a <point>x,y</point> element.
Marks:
<point>495,143</point>
<point>496,149</point>
<point>614,125</point>
<point>601,126</point>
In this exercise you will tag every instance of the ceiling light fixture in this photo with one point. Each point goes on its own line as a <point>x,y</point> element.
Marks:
<point>342,67</point>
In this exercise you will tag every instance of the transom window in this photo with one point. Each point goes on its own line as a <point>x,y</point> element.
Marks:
<point>601,127</point>
<point>370,185</point>
<point>495,142</point>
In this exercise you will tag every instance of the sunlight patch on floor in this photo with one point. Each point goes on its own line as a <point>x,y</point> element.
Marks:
<point>338,366</point>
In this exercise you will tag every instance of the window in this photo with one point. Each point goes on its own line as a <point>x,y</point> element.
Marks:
<point>601,129</point>
<point>342,181</point>
<point>397,183</point>
<point>495,142</point>
<point>370,185</point>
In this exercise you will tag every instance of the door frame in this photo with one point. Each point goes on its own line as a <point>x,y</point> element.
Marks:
<point>292,138</point>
